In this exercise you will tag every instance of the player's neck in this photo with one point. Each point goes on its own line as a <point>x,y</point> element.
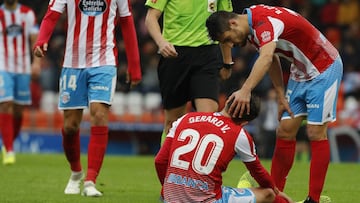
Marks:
<point>224,113</point>
<point>10,7</point>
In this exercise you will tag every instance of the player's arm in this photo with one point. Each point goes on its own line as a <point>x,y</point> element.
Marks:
<point>33,34</point>
<point>131,47</point>
<point>162,159</point>
<point>166,49</point>
<point>245,149</point>
<point>46,29</point>
<point>261,66</point>
<point>225,72</point>
<point>276,75</point>
<point>36,61</point>
<point>260,174</point>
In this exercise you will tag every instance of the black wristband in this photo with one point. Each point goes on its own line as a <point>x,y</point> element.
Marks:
<point>228,65</point>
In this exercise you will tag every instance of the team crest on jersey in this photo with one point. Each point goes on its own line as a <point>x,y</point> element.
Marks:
<point>265,36</point>
<point>65,97</point>
<point>92,7</point>
<point>14,30</point>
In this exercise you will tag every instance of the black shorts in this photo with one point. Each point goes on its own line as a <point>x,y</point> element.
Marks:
<point>193,74</point>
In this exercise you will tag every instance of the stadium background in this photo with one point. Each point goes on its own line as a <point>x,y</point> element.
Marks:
<point>136,119</point>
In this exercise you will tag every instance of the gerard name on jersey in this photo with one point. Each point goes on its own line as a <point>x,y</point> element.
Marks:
<point>211,119</point>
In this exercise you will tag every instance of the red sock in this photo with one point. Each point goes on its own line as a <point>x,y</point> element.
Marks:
<point>17,126</point>
<point>279,199</point>
<point>71,145</point>
<point>96,151</point>
<point>320,158</point>
<point>7,131</point>
<point>282,161</point>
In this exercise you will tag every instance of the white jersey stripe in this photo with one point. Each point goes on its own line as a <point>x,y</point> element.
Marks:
<point>84,47</point>
<point>298,59</point>
<point>97,43</point>
<point>16,26</point>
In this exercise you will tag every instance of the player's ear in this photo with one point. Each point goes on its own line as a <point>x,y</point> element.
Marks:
<point>232,22</point>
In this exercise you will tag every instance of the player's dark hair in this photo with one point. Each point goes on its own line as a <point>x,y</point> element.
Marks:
<point>217,23</point>
<point>254,109</point>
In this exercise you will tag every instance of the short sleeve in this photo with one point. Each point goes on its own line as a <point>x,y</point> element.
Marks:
<point>57,5</point>
<point>245,147</point>
<point>225,5</point>
<point>159,4</point>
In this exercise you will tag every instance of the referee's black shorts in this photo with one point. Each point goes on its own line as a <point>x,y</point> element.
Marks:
<point>193,74</point>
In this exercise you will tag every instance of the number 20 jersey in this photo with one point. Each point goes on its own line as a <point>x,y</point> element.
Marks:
<point>203,145</point>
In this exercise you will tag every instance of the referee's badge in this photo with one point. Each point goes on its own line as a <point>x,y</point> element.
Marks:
<point>212,6</point>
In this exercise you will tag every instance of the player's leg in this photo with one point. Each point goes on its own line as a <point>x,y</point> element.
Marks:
<point>101,89</point>
<point>285,146</point>
<point>204,82</point>
<point>10,89</point>
<point>173,74</point>
<point>171,115</point>
<point>22,98</point>
<point>322,98</point>
<point>71,146</point>
<point>7,132</point>
<point>252,195</point>
<point>206,105</point>
<point>284,152</point>
<point>320,159</point>
<point>18,118</point>
<point>72,100</point>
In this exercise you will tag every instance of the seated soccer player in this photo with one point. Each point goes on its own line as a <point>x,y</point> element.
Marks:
<point>198,149</point>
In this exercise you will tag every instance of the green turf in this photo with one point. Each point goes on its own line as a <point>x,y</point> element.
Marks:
<point>42,178</point>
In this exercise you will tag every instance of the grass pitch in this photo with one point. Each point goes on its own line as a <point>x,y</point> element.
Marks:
<point>41,178</point>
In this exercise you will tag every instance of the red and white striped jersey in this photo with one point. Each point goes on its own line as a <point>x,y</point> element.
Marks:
<point>16,26</point>
<point>296,39</point>
<point>202,146</point>
<point>90,34</point>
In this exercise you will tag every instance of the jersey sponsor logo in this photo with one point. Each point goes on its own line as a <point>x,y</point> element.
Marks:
<point>23,93</point>
<point>14,30</point>
<point>104,88</point>
<point>312,106</point>
<point>265,36</point>
<point>92,7</point>
<point>65,97</point>
<point>187,182</point>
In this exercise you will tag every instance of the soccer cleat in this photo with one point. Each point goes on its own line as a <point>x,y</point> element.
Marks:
<point>8,157</point>
<point>73,185</point>
<point>323,199</point>
<point>247,181</point>
<point>90,190</point>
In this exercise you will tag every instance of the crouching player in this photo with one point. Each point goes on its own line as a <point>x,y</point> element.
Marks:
<point>198,149</point>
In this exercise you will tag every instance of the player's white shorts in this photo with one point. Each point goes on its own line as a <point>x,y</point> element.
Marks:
<point>15,87</point>
<point>81,86</point>
<point>316,98</point>
<point>236,195</point>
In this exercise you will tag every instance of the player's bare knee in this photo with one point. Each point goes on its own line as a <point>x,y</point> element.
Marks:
<point>286,133</point>
<point>264,195</point>
<point>99,118</point>
<point>6,107</point>
<point>317,132</point>
<point>269,195</point>
<point>71,128</point>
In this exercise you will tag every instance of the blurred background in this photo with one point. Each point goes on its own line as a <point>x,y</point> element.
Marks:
<point>137,117</point>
